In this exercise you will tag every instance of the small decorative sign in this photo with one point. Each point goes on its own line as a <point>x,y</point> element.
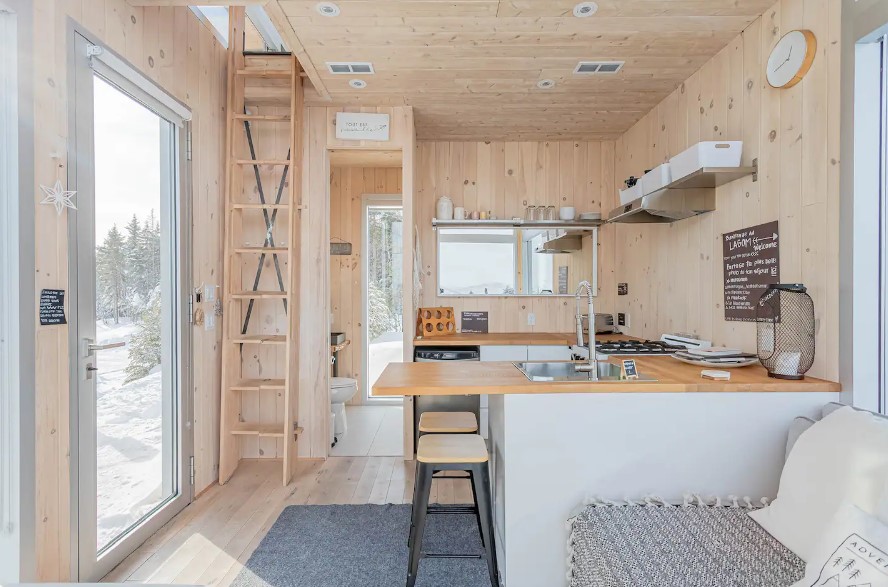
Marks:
<point>628,368</point>
<point>562,279</point>
<point>622,289</point>
<point>475,322</point>
<point>751,264</point>
<point>52,307</point>
<point>357,126</point>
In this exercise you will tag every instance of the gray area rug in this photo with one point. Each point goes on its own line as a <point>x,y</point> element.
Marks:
<point>362,546</point>
<point>658,546</point>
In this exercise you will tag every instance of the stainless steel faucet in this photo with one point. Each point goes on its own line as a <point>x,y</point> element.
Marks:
<point>592,365</point>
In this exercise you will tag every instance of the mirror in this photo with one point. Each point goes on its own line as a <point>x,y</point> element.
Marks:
<point>512,261</point>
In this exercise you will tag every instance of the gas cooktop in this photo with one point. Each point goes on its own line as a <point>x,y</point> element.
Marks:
<point>637,347</point>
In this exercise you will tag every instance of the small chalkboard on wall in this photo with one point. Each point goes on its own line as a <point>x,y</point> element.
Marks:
<point>52,307</point>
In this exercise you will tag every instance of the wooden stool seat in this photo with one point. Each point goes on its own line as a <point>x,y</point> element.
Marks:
<point>451,448</point>
<point>448,422</point>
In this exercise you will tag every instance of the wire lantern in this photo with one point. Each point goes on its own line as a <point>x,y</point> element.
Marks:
<point>785,320</point>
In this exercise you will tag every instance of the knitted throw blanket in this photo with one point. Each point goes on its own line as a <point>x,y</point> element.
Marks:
<point>659,545</point>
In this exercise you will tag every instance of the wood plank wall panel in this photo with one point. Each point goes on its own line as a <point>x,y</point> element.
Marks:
<point>174,49</point>
<point>319,137</point>
<point>675,271</point>
<point>505,177</point>
<point>348,185</point>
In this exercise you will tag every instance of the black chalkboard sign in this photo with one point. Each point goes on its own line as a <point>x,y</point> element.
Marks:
<point>630,370</point>
<point>475,322</point>
<point>52,307</point>
<point>751,264</point>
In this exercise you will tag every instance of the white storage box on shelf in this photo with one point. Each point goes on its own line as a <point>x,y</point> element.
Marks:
<point>656,179</point>
<point>706,154</point>
<point>630,194</point>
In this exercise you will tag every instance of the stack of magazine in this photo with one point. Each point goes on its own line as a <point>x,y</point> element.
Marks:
<point>717,356</point>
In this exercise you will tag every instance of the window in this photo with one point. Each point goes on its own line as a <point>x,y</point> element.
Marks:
<point>260,34</point>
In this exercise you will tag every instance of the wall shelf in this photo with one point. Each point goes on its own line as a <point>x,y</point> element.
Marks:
<point>520,223</point>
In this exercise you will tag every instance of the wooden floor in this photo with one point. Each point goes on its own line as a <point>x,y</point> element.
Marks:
<point>210,540</point>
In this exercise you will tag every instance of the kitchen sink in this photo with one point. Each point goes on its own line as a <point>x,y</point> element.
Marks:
<point>558,371</point>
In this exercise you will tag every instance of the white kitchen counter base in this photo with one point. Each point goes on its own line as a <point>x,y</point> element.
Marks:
<point>551,451</point>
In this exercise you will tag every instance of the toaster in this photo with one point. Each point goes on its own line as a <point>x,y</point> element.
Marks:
<point>604,323</point>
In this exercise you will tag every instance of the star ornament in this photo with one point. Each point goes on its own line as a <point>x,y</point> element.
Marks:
<point>58,197</point>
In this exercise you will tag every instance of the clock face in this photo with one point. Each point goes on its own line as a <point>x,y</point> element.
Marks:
<point>791,59</point>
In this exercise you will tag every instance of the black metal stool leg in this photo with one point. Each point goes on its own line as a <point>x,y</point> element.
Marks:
<point>475,503</point>
<point>481,484</point>
<point>424,474</point>
<point>414,503</point>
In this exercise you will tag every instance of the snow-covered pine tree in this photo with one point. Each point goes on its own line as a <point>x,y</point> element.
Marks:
<point>145,346</point>
<point>150,252</point>
<point>135,267</point>
<point>111,276</point>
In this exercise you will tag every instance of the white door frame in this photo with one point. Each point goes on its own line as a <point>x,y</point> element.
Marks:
<point>368,200</point>
<point>17,521</point>
<point>88,565</point>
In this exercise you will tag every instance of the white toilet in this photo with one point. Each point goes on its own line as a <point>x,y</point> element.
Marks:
<point>342,389</point>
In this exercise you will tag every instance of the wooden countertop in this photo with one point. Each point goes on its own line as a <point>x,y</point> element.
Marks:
<point>475,377</point>
<point>499,338</point>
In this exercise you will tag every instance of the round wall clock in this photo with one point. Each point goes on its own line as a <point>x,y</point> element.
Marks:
<point>791,58</point>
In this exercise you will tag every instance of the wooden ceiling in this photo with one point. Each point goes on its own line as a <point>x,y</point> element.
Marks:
<point>470,67</point>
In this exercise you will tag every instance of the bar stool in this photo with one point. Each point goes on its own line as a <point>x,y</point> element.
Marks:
<point>447,423</point>
<point>451,452</point>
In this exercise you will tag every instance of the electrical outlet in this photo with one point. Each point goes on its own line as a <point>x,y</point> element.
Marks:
<point>531,319</point>
<point>210,321</point>
<point>622,319</point>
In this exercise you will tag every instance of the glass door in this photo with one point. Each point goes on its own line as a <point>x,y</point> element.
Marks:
<point>128,335</point>
<point>383,292</point>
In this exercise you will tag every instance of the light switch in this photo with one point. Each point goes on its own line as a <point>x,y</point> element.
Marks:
<point>531,319</point>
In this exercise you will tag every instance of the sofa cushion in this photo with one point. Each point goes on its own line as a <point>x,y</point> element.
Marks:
<point>842,458</point>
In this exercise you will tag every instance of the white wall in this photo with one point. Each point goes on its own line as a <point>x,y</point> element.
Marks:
<point>862,22</point>
<point>17,513</point>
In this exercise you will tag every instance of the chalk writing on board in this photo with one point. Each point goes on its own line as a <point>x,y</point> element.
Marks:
<point>751,264</point>
<point>475,322</point>
<point>52,307</point>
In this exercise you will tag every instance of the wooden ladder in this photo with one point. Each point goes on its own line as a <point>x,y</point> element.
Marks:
<point>259,408</point>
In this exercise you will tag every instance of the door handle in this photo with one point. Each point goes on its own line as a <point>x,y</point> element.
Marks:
<point>91,348</point>
<point>90,369</point>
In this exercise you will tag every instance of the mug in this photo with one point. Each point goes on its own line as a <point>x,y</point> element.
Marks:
<point>459,213</point>
<point>483,215</point>
<point>476,215</point>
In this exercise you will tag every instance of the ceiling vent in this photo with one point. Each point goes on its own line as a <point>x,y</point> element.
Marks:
<point>350,67</point>
<point>592,67</point>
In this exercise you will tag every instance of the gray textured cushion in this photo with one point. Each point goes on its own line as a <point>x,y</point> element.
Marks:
<point>796,428</point>
<point>669,546</point>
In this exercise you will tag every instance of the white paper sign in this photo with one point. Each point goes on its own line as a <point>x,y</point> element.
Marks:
<point>356,126</point>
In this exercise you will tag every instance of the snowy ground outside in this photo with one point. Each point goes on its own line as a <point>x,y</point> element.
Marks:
<point>129,437</point>
<point>387,348</point>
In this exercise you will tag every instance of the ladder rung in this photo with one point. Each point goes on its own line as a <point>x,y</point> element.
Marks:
<point>260,339</point>
<point>265,73</point>
<point>258,206</point>
<point>258,385</point>
<point>260,250</point>
<point>258,295</point>
<point>263,117</point>
<point>246,429</point>
<point>261,162</point>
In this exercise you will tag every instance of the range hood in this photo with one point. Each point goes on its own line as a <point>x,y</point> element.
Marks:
<point>665,206</point>
<point>560,242</point>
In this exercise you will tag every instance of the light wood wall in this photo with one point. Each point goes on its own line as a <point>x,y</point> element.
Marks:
<point>505,177</point>
<point>319,138</point>
<point>347,187</point>
<point>172,47</point>
<point>675,271</point>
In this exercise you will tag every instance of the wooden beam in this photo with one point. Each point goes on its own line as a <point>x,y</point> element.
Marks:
<point>285,28</point>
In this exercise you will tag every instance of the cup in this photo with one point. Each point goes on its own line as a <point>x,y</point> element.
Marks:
<point>459,213</point>
<point>476,215</point>
<point>483,214</point>
<point>567,213</point>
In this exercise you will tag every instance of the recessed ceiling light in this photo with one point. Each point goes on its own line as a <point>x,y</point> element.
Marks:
<point>545,84</point>
<point>584,9</point>
<point>327,9</point>
<point>357,84</point>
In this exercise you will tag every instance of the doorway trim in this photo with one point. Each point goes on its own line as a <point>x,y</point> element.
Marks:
<point>368,200</point>
<point>117,71</point>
